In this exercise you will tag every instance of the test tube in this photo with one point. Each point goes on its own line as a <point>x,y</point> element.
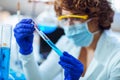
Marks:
<point>6,32</point>
<point>49,42</point>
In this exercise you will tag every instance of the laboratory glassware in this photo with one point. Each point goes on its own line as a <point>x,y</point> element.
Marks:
<point>5,47</point>
<point>48,41</point>
<point>47,20</point>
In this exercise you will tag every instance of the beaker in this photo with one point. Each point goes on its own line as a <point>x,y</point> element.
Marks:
<point>47,20</point>
<point>5,47</point>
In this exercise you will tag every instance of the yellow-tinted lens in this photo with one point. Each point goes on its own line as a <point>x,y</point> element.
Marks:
<point>73,16</point>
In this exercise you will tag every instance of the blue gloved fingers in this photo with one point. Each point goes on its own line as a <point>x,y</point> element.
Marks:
<point>23,35</point>
<point>69,59</point>
<point>68,55</point>
<point>65,65</point>
<point>20,31</point>
<point>72,67</point>
<point>24,26</point>
<point>26,21</point>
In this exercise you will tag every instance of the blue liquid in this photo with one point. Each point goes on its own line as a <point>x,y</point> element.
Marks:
<point>49,42</point>
<point>17,75</point>
<point>54,47</point>
<point>4,63</point>
<point>47,29</point>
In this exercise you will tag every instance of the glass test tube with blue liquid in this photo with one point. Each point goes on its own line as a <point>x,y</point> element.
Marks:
<point>48,41</point>
<point>5,45</point>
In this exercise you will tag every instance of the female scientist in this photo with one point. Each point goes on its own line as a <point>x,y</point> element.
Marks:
<point>92,51</point>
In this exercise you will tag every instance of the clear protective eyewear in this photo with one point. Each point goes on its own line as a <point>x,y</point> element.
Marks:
<point>71,19</point>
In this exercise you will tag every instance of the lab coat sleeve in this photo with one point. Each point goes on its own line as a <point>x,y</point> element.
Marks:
<point>30,67</point>
<point>48,69</point>
<point>115,70</point>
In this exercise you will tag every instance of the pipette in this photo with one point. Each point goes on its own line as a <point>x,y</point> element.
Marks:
<point>48,41</point>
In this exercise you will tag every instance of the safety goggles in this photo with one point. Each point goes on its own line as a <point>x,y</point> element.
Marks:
<point>71,19</point>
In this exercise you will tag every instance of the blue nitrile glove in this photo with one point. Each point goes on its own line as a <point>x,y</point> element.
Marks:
<point>73,68</point>
<point>23,33</point>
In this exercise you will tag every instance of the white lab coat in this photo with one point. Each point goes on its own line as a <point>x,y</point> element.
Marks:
<point>104,66</point>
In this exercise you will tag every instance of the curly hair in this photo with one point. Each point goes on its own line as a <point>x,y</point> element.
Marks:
<point>92,8</point>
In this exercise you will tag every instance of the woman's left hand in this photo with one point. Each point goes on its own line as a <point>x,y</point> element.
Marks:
<point>73,67</point>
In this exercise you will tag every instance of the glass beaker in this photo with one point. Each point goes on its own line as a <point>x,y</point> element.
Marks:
<point>5,47</point>
<point>47,20</point>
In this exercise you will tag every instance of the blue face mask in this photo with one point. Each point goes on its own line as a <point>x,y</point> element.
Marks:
<point>79,34</point>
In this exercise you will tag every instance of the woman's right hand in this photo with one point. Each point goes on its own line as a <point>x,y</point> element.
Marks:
<point>23,33</point>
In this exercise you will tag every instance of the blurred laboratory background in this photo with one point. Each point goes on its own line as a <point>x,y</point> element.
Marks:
<point>12,11</point>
